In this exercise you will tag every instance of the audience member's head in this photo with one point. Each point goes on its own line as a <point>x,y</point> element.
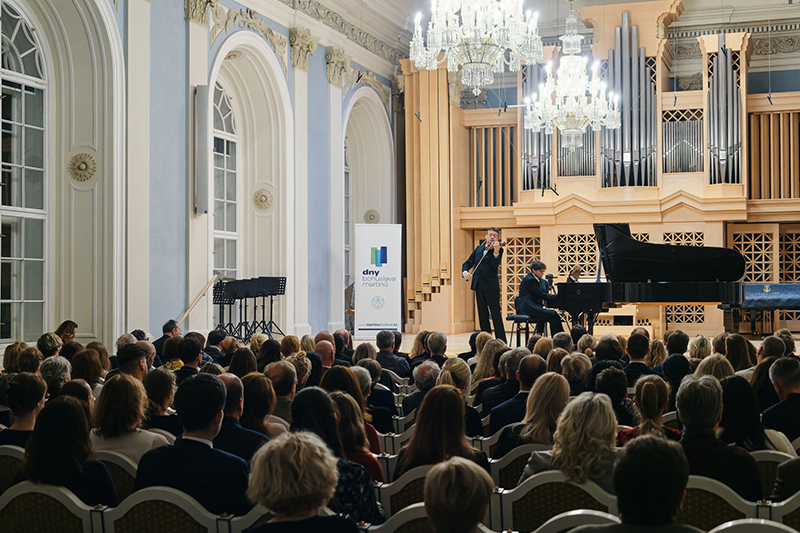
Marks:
<point>554,359</point>
<point>256,341</point>
<point>426,375</point>
<point>283,375</point>
<point>608,349</point>
<point>169,350</point>
<point>614,383</point>
<point>215,369</point>
<point>587,344</point>
<point>677,342</point>
<point>11,356</point>
<point>657,354</point>
<point>652,398</point>
<point>586,430</point>
<point>364,379</point>
<point>563,340</point>
<point>455,373</point>
<point>576,367</point>
<point>56,371</point>
<point>289,345</point>
<point>772,346</point>
<point>124,339</point>
<point>269,352</point>
<point>639,330</point>
<point>699,347</point>
<point>548,397</point>
<point>420,345</point>
<point>191,335</point>
<point>49,344</point>
<point>480,341</point>
<point>384,340</point>
<point>148,348</point>
<point>741,416</point>
<point>234,395</point>
<point>216,336</point>
<point>650,477</point>
<point>349,422</point>
<point>543,347</point>
<point>324,336</point>
<point>302,368</point>
<point>338,345</point>
<point>326,351</point>
<point>675,367</point>
<point>457,494</point>
<point>159,384</point>
<point>343,379</point>
<point>374,368</point>
<point>489,359</point>
<point>437,343</point>
<point>737,352</point>
<point>785,376</point>
<point>26,394</point>
<point>259,402</point>
<point>365,350</point>
<point>638,346</point>
<point>86,365</point>
<point>200,401</point>
<point>132,360</point>
<point>714,365</point>
<point>398,340</point>
<point>66,331</point>
<point>348,341</point>
<point>307,343</point>
<point>171,328</point>
<point>242,363</point>
<point>190,352</point>
<point>80,390</point>
<point>120,407</point>
<point>513,358</point>
<point>293,475</point>
<point>788,340</point>
<point>229,345</point>
<point>699,402</point>
<point>530,368</point>
<point>312,410</point>
<point>718,344</point>
<point>139,334</point>
<point>576,333</point>
<point>29,360</point>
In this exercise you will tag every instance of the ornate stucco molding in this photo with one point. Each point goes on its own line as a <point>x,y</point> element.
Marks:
<point>693,82</point>
<point>367,77</point>
<point>264,199</point>
<point>197,10</point>
<point>303,45</point>
<point>338,66</point>
<point>776,45</point>
<point>81,167</point>
<point>223,19</point>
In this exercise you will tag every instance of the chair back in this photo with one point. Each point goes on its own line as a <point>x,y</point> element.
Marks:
<point>671,420</point>
<point>768,461</point>
<point>258,515</point>
<point>752,525</point>
<point>29,507</point>
<point>404,491</point>
<point>485,422</point>
<point>412,519</point>
<point>487,444</point>
<point>122,470</point>
<point>507,470</point>
<point>572,519</point>
<point>11,460</point>
<point>402,423</point>
<point>388,465</point>
<point>787,512</point>
<point>159,509</point>
<point>543,496</point>
<point>392,442</point>
<point>710,503</point>
<point>167,435</point>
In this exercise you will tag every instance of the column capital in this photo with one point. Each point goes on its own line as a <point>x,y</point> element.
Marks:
<point>197,10</point>
<point>303,46</point>
<point>338,65</point>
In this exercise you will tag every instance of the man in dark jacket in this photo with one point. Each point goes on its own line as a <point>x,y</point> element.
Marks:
<point>483,279</point>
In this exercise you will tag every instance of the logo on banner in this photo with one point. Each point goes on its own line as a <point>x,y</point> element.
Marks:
<point>378,302</point>
<point>378,256</point>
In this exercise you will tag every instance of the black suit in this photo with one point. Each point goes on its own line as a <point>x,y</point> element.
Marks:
<point>533,295</point>
<point>784,417</point>
<point>483,386</point>
<point>497,395</point>
<point>381,419</point>
<point>216,479</point>
<point>184,373</point>
<point>508,412</point>
<point>787,482</point>
<point>412,401</point>
<point>390,361</point>
<point>316,369</point>
<point>383,398</point>
<point>239,441</point>
<point>637,369</point>
<point>158,344</point>
<point>486,285</point>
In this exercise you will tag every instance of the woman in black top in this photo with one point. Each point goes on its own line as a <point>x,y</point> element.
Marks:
<point>160,386</point>
<point>58,453</point>
<point>294,475</point>
<point>26,397</point>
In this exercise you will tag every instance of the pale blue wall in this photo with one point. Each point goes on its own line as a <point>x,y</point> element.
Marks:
<point>318,187</point>
<point>782,81</point>
<point>169,190</point>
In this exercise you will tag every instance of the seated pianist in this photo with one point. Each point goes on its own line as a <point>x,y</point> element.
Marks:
<point>534,291</point>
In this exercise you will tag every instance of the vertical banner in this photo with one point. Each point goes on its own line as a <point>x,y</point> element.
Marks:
<point>378,283</point>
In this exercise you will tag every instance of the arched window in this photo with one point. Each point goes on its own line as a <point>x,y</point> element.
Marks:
<point>23,211</point>
<point>226,208</point>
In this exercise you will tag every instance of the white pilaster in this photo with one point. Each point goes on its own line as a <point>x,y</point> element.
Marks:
<point>336,210</point>
<point>300,97</point>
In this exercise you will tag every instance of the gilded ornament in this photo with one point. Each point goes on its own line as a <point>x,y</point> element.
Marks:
<point>82,167</point>
<point>263,199</point>
<point>372,216</point>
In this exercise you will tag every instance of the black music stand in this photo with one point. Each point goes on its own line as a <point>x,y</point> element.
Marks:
<point>223,298</point>
<point>272,287</point>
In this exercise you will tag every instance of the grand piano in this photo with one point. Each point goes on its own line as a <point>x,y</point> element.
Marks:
<point>760,299</point>
<point>641,272</point>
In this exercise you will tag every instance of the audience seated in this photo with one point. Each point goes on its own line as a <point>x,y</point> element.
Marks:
<point>480,342</point>
<point>439,432</point>
<point>576,367</point>
<point>420,346</point>
<point>652,397</point>
<point>715,365</point>
<point>269,352</point>
<point>211,368</point>
<point>168,330</point>
<point>81,391</point>
<point>494,396</point>
<point>785,416</point>
<point>762,385</point>
<point>232,437</point>
<point>256,341</point>
<point>49,344</point>
<point>676,342</point>
<point>191,354</point>
<point>212,349</point>
<point>283,375</point>
<point>160,387</point>
<point>425,376</point>
<point>637,348</point>
<point>259,403</point>
<point>293,476</point>
<point>381,416</point>
<point>645,505</point>
<point>29,360</point>
<point>289,344</point>
<point>544,404</point>
<point>69,350</point>
<point>656,355</point>
<point>488,373</point>
<point>699,347</point>
<point>466,356</point>
<point>170,355</point>
<point>350,426</point>
<point>312,410</point>
<point>343,379</point>
<point>586,345</point>
<point>243,362</point>
<point>529,368</point>
<point>583,443</point>
<point>787,481</point>
<point>379,399</point>
<point>86,365</point>
<point>302,369</point>
<point>216,479</point>
<point>27,394</point>
<point>554,359</point>
<point>118,416</point>
<point>737,353</point>
<point>614,383</point>
<point>457,494</point>
<point>384,340</point>
<point>675,368</point>
<point>59,453</point>
<point>700,409</point>
<point>56,371</point>
<point>741,419</point>
<point>307,343</point>
<point>437,346</point>
<point>457,375</point>
<point>132,360</point>
<point>348,351</point>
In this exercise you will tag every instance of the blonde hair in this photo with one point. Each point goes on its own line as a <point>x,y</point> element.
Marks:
<point>716,365</point>
<point>488,360</point>
<point>657,353</point>
<point>700,347</point>
<point>307,343</point>
<point>586,430</point>
<point>293,472</point>
<point>456,494</point>
<point>256,341</point>
<point>480,341</point>
<point>301,365</point>
<point>543,347</point>
<point>576,367</point>
<point>652,394</point>
<point>420,344</point>
<point>586,344</point>
<point>546,400</point>
<point>555,358</point>
<point>455,372</point>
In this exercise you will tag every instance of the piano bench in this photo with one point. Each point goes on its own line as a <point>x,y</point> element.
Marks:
<point>520,323</point>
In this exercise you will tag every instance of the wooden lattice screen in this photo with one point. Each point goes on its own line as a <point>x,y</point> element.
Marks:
<point>577,249</point>
<point>685,313</point>
<point>774,155</point>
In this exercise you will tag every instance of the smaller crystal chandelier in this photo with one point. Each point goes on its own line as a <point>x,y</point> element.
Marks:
<point>476,35</point>
<point>569,101</point>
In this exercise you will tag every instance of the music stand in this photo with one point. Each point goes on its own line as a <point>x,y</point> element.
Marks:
<point>272,287</point>
<point>222,296</point>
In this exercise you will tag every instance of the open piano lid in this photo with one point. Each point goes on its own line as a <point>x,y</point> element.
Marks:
<point>626,259</point>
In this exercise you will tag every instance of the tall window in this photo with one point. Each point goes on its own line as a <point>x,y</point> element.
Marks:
<point>348,269</point>
<point>23,215</point>
<point>226,208</point>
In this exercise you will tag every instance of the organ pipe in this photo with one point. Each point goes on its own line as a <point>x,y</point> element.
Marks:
<point>724,130</point>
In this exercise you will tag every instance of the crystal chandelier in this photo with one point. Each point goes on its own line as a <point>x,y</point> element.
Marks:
<point>569,101</point>
<point>476,35</point>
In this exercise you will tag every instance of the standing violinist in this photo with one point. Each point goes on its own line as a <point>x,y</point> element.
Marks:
<point>484,261</point>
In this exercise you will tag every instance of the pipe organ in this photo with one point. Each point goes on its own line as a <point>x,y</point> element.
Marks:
<point>537,147</point>
<point>724,129</point>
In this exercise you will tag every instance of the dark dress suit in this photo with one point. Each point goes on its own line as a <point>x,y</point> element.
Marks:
<point>238,441</point>
<point>533,295</point>
<point>473,425</point>
<point>383,398</point>
<point>316,369</point>
<point>637,369</point>
<point>381,419</point>
<point>183,373</point>
<point>390,361</point>
<point>499,394</point>
<point>487,288</point>
<point>158,344</point>
<point>93,486</point>
<point>784,417</point>
<point>483,386</point>
<point>216,479</point>
<point>412,401</point>
<point>787,482</point>
<point>508,412</point>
